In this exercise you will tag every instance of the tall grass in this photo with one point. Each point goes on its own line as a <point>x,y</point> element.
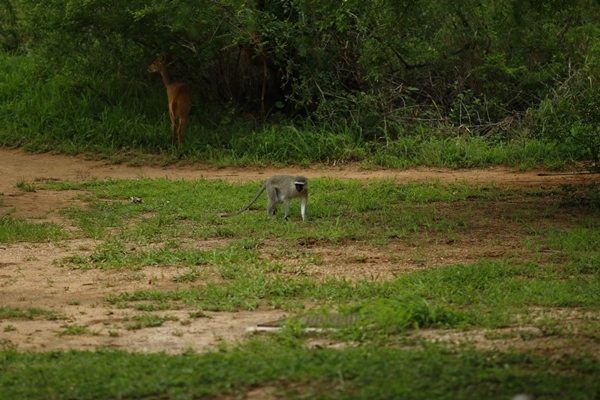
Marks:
<point>469,151</point>
<point>43,109</point>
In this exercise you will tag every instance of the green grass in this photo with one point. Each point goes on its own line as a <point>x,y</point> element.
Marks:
<point>148,321</point>
<point>484,294</point>
<point>471,152</point>
<point>190,276</point>
<point>173,210</point>
<point>72,330</point>
<point>14,229</point>
<point>25,186</point>
<point>16,313</point>
<point>354,373</point>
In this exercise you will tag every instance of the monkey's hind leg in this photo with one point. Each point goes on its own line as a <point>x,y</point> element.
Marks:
<point>273,196</point>
<point>272,210</point>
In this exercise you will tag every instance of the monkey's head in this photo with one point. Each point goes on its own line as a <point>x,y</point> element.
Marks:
<point>300,184</point>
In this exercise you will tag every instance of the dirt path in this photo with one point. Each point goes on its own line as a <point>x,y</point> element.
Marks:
<point>29,278</point>
<point>17,165</point>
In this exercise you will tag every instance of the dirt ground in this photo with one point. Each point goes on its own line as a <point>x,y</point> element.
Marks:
<point>31,278</point>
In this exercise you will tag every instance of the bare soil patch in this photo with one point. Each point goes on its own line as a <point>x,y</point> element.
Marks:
<point>30,277</point>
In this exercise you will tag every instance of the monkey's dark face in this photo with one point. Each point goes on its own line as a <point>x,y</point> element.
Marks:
<point>299,186</point>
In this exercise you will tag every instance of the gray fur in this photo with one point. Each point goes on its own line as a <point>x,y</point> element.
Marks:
<point>281,189</point>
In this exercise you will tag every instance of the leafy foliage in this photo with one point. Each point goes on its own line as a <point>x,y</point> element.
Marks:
<point>446,67</point>
<point>469,57</point>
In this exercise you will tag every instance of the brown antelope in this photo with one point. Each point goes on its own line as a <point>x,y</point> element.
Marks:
<point>180,98</point>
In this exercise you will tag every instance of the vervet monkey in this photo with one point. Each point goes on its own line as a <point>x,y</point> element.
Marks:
<point>281,189</point>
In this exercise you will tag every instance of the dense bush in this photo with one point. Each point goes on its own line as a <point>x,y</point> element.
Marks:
<point>385,67</point>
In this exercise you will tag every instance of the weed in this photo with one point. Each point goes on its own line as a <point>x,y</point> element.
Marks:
<point>199,314</point>
<point>12,313</point>
<point>148,321</point>
<point>72,329</point>
<point>189,276</point>
<point>25,186</point>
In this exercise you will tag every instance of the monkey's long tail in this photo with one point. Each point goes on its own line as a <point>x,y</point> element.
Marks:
<point>247,206</point>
